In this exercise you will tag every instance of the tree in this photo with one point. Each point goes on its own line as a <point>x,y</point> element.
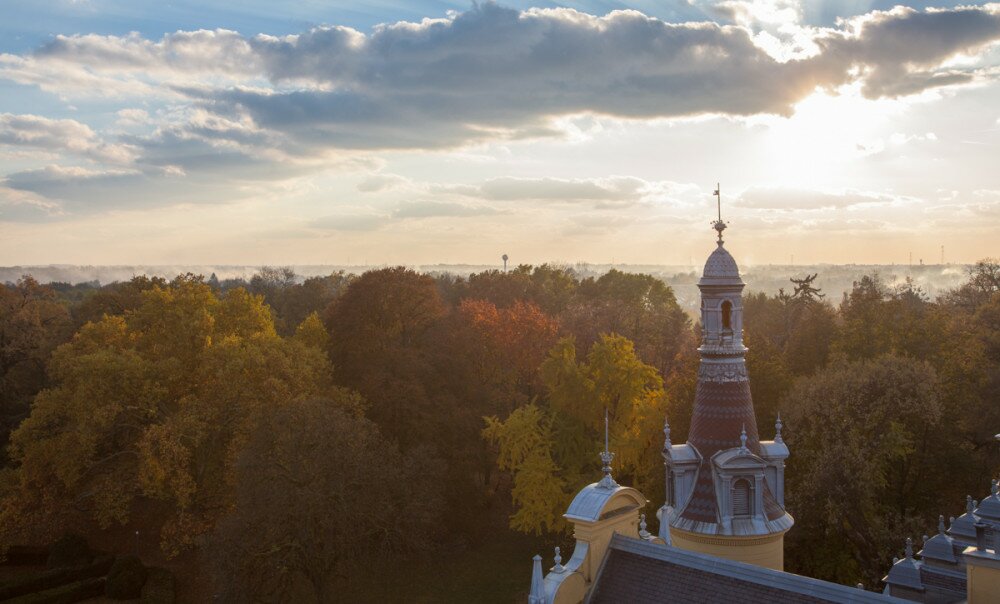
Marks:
<point>320,492</point>
<point>552,451</point>
<point>32,324</point>
<point>863,465</point>
<point>114,299</point>
<point>151,410</point>
<point>379,346</point>
<point>640,307</point>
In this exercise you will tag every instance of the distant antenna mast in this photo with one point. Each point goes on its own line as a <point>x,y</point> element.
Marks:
<point>718,225</point>
<point>505,263</point>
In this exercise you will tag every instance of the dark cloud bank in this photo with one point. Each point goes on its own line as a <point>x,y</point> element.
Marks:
<point>488,73</point>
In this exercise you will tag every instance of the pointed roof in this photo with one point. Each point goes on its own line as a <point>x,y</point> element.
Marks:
<point>964,526</point>
<point>906,572</point>
<point>939,547</point>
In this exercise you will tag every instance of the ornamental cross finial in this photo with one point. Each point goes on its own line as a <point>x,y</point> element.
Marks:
<point>777,430</point>
<point>607,482</point>
<point>718,225</point>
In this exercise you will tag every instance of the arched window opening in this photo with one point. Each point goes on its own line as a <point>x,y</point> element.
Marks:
<point>741,498</point>
<point>727,311</point>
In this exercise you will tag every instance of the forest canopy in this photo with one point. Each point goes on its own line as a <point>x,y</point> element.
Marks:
<point>240,423</point>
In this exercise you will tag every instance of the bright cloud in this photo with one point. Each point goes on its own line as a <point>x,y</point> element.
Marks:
<point>565,125</point>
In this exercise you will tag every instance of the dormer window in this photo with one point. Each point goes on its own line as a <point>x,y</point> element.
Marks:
<point>727,311</point>
<point>742,498</point>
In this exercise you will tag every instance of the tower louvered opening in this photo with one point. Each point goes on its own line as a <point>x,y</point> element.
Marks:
<point>741,498</point>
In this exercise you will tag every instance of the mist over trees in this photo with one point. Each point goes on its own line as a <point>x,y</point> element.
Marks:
<point>280,438</point>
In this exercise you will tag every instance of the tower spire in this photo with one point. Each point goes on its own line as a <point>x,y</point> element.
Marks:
<point>607,482</point>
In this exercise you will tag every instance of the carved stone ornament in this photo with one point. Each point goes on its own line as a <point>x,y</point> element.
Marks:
<point>722,372</point>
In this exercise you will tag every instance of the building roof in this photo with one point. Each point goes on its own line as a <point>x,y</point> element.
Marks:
<point>722,409</point>
<point>720,269</point>
<point>989,507</point>
<point>589,504</point>
<point>940,547</point>
<point>637,572</point>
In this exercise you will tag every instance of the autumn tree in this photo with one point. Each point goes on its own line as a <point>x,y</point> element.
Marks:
<point>862,476</point>
<point>114,299</point>
<point>640,307</point>
<point>320,493</point>
<point>379,346</point>
<point>32,324</point>
<point>557,444</point>
<point>152,408</point>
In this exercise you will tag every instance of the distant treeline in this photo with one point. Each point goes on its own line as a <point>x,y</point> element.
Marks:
<point>282,435</point>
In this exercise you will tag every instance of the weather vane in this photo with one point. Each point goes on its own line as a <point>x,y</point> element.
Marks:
<point>718,225</point>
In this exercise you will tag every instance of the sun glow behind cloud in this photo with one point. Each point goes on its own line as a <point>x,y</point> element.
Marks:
<point>498,128</point>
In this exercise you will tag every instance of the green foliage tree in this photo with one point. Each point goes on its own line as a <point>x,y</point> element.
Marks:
<point>862,469</point>
<point>319,493</point>
<point>640,307</point>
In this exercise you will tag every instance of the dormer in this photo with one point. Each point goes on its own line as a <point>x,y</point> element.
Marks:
<point>739,486</point>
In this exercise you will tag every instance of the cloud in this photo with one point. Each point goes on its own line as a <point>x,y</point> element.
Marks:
<point>42,133</point>
<point>493,72</point>
<point>760,198</point>
<point>439,209</point>
<point>381,182</point>
<point>620,189</point>
<point>351,222</point>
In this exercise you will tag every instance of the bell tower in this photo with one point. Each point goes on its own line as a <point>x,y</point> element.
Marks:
<point>725,486</point>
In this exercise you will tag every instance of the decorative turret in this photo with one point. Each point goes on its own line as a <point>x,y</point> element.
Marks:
<point>725,486</point>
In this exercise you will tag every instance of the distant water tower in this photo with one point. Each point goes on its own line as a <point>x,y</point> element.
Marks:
<point>505,262</point>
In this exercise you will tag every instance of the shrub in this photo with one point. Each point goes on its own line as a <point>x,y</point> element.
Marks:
<point>70,550</point>
<point>126,578</point>
<point>159,587</point>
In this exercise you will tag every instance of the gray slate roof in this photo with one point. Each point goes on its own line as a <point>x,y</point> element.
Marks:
<point>638,572</point>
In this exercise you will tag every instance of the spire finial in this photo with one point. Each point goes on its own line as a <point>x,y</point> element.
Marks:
<point>969,505</point>
<point>643,533</point>
<point>605,429</point>
<point>909,548</point>
<point>558,568</point>
<point>666,435</point>
<point>537,593</point>
<point>607,482</point>
<point>718,225</point>
<point>743,440</point>
<point>941,524</point>
<point>777,429</point>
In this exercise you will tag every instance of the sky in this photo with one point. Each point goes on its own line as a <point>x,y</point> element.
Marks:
<point>422,132</point>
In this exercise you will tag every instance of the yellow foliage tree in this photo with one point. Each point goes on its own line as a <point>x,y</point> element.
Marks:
<point>552,451</point>
<point>153,408</point>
